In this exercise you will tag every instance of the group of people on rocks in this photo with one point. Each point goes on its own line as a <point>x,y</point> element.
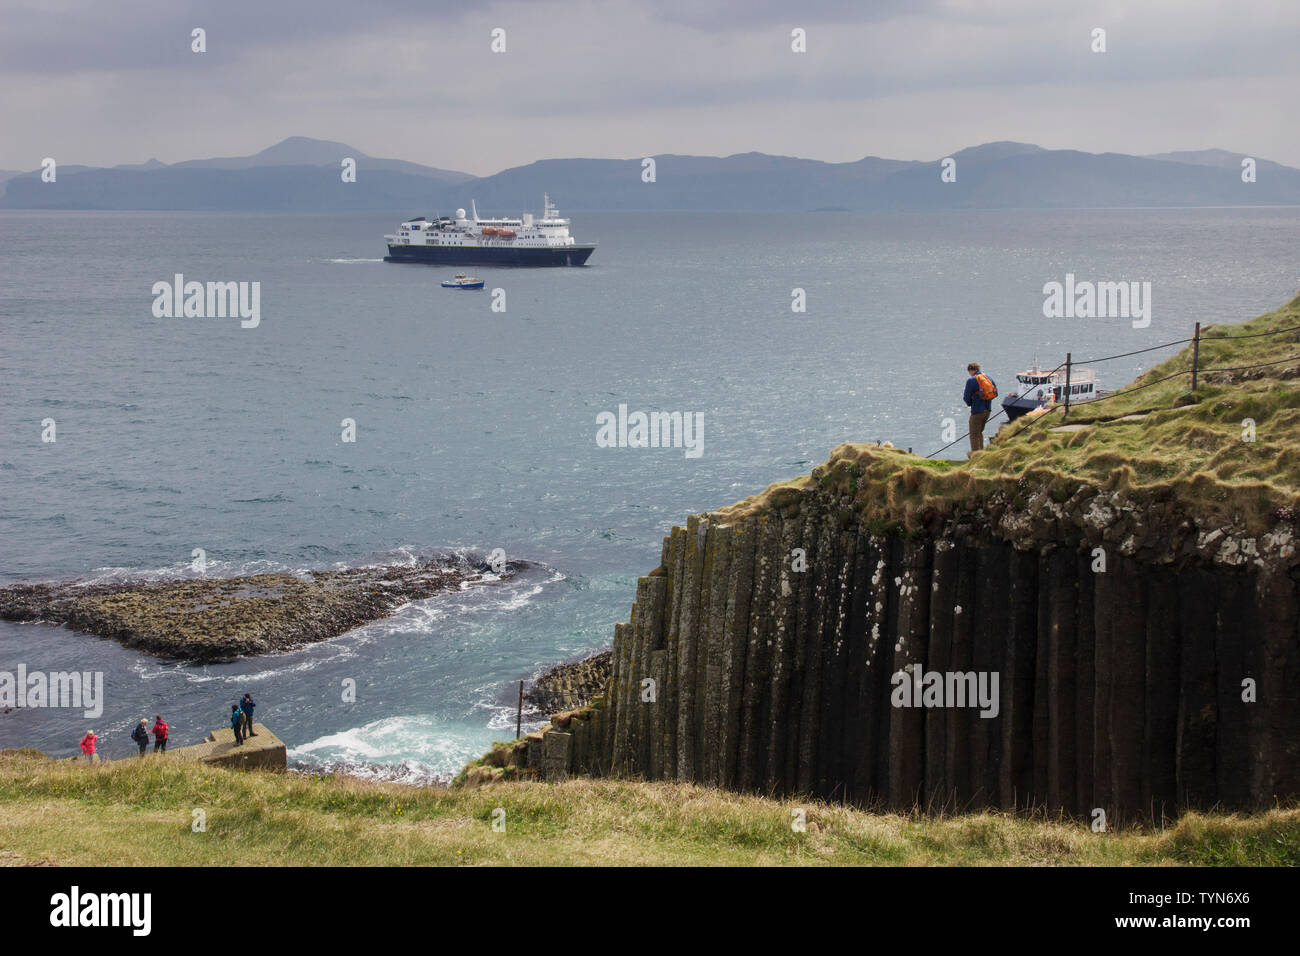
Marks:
<point>241,722</point>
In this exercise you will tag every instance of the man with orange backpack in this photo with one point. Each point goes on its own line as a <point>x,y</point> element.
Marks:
<point>980,392</point>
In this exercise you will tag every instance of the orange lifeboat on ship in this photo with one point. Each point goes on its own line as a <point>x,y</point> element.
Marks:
<point>489,230</point>
<point>506,233</point>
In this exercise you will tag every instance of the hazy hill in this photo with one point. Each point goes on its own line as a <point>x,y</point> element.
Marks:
<point>298,173</point>
<point>273,188</point>
<point>995,175</point>
<point>302,174</point>
<point>304,151</point>
<point>147,164</point>
<point>995,151</point>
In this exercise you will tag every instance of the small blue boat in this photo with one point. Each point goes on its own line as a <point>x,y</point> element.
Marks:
<point>463,282</point>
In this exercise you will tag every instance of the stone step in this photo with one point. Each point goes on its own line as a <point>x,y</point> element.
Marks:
<point>195,752</point>
<point>264,750</point>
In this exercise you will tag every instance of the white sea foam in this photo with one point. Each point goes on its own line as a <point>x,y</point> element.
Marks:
<point>404,556</point>
<point>348,743</point>
<point>412,748</point>
<point>177,572</point>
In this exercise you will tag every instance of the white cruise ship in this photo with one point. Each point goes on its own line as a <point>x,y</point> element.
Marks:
<point>469,240</point>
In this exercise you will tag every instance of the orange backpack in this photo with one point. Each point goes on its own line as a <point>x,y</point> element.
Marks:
<point>987,390</point>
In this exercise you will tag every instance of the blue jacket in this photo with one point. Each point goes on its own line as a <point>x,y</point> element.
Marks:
<point>235,719</point>
<point>972,395</point>
<point>247,707</point>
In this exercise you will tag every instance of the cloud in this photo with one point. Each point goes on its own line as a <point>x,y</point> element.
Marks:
<point>416,79</point>
<point>59,37</point>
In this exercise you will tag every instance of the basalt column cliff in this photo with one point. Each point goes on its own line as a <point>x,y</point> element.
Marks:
<point>1121,689</point>
<point>1099,616</point>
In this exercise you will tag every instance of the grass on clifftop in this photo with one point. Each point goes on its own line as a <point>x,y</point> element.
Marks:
<point>131,813</point>
<point>1181,447</point>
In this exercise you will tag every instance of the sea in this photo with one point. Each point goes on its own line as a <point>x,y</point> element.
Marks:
<point>476,422</point>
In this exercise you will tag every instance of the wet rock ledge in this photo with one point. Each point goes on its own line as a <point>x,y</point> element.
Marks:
<point>570,686</point>
<point>207,620</point>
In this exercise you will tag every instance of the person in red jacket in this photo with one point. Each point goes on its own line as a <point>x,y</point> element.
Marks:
<point>88,745</point>
<point>159,731</point>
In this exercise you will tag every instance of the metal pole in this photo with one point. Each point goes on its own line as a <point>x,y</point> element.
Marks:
<point>1066,414</point>
<point>519,714</point>
<point>1196,353</point>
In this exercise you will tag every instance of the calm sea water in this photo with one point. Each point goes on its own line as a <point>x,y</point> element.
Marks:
<point>476,430</point>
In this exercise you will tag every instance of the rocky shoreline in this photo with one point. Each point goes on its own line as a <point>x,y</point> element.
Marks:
<point>570,686</point>
<point>211,620</point>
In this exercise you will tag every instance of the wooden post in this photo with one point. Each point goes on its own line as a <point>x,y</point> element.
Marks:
<point>1196,353</point>
<point>519,713</point>
<point>1066,414</point>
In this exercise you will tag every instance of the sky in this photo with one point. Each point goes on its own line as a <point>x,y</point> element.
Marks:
<point>95,83</point>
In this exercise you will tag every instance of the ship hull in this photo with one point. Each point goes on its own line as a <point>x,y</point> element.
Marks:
<point>575,255</point>
<point>1017,407</point>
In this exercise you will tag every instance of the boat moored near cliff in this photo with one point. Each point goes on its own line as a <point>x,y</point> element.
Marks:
<point>1039,389</point>
<point>469,240</point>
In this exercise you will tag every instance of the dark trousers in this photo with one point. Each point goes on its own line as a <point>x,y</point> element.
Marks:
<point>248,724</point>
<point>239,730</point>
<point>977,422</point>
<point>160,743</point>
<point>144,745</point>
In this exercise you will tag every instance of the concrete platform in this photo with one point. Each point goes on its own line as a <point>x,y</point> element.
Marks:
<point>266,751</point>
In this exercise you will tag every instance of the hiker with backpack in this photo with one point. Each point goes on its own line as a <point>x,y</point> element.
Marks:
<point>237,723</point>
<point>141,735</point>
<point>979,395</point>
<point>159,734</point>
<point>246,707</point>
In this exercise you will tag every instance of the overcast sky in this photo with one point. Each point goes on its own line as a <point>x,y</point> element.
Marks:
<point>101,83</point>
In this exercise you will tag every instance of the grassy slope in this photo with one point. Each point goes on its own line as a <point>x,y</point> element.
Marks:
<point>1193,453</point>
<point>129,813</point>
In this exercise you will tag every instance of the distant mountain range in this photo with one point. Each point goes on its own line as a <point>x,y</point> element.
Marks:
<point>303,175</point>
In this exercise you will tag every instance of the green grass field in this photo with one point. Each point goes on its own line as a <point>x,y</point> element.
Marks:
<point>131,813</point>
